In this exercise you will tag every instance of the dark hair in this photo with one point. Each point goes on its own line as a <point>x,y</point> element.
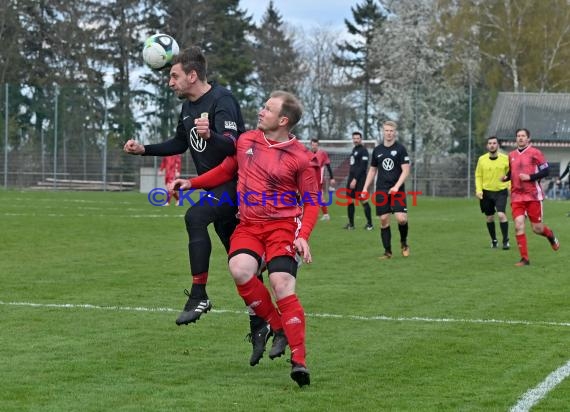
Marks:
<point>493,137</point>
<point>291,107</point>
<point>357,133</point>
<point>314,140</point>
<point>192,58</point>
<point>523,130</point>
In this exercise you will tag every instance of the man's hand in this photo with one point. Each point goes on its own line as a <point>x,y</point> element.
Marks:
<point>479,195</point>
<point>179,184</point>
<point>302,247</point>
<point>202,127</point>
<point>352,184</point>
<point>133,147</point>
<point>524,177</point>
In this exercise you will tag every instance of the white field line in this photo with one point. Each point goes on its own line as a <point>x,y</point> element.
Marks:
<point>534,395</point>
<point>525,403</point>
<point>314,315</point>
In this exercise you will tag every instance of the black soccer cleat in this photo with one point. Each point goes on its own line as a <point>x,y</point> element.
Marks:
<point>300,374</point>
<point>258,339</point>
<point>522,262</point>
<point>279,344</point>
<point>506,245</point>
<point>494,244</point>
<point>193,309</point>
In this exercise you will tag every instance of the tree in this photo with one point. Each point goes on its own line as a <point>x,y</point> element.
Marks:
<point>413,73</point>
<point>355,56</point>
<point>328,112</point>
<point>276,59</point>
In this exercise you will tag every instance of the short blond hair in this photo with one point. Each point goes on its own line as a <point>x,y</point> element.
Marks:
<point>390,123</point>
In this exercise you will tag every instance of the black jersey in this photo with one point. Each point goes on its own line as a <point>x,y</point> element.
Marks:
<point>389,161</point>
<point>226,124</point>
<point>358,164</point>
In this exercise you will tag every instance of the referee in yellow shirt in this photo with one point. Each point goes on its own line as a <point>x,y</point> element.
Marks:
<point>492,191</point>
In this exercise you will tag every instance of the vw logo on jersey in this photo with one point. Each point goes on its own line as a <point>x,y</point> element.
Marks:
<point>196,141</point>
<point>387,164</point>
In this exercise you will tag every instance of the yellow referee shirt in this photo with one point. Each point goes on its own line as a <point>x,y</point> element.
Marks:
<point>489,172</point>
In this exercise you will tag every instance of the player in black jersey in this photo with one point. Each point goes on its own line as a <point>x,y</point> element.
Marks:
<point>391,162</point>
<point>210,122</point>
<point>355,181</point>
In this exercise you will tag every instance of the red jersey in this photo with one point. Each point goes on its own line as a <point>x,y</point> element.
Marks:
<point>273,177</point>
<point>323,160</point>
<point>171,166</point>
<point>528,161</point>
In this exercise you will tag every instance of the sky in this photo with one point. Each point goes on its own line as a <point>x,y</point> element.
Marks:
<point>305,13</point>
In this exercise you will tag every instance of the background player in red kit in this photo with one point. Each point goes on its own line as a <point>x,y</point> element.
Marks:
<point>273,168</point>
<point>527,166</point>
<point>170,166</point>
<point>324,161</point>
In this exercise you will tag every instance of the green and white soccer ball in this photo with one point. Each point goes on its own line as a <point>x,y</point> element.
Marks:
<point>159,50</point>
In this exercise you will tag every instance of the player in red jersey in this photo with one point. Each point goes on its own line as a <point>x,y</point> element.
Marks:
<point>527,166</point>
<point>324,161</point>
<point>170,166</point>
<point>274,169</point>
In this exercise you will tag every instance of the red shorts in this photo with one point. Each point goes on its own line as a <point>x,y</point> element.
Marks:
<point>530,208</point>
<point>272,239</point>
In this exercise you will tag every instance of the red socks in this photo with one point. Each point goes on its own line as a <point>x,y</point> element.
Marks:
<point>293,319</point>
<point>200,278</point>
<point>521,243</point>
<point>257,298</point>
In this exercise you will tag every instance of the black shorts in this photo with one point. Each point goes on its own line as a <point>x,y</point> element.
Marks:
<point>494,201</point>
<point>352,192</point>
<point>390,203</point>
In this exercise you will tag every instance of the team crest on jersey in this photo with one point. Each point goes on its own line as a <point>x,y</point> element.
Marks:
<point>249,151</point>
<point>196,141</point>
<point>387,164</point>
<point>230,125</point>
<point>393,152</point>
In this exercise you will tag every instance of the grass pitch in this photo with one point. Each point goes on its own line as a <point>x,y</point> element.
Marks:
<point>91,283</point>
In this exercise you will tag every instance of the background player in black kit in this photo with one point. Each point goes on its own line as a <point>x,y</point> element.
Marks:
<point>391,162</point>
<point>210,122</point>
<point>355,181</point>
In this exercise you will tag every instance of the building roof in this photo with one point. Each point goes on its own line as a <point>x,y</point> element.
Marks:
<point>546,115</point>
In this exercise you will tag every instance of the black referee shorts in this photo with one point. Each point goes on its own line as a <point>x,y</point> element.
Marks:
<point>494,201</point>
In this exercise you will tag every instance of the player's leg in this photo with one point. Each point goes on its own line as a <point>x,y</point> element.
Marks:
<point>519,216</point>
<point>487,205</point>
<point>350,210</point>
<point>244,260</point>
<point>399,207</point>
<point>501,206</point>
<point>535,217</point>
<point>366,207</point>
<point>383,211</point>
<point>197,219</point>
<point>282,267</point>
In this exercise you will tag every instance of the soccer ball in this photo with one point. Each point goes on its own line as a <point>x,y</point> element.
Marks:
<point>158,50</point>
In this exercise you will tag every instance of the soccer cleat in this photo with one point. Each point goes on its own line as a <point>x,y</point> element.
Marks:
<point>369,227</point>
<point>258,339</point>
<point>494,244</point>
<point>300,374</point>
<point>279,344</point>
<point>405,250</point>
<point>506,245</point>
<point>554,243</point>
<point>385,256</point>
<point>193,309</point>
<point>348,226</point>
<point>522,262</point>
<point>325,217</point>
